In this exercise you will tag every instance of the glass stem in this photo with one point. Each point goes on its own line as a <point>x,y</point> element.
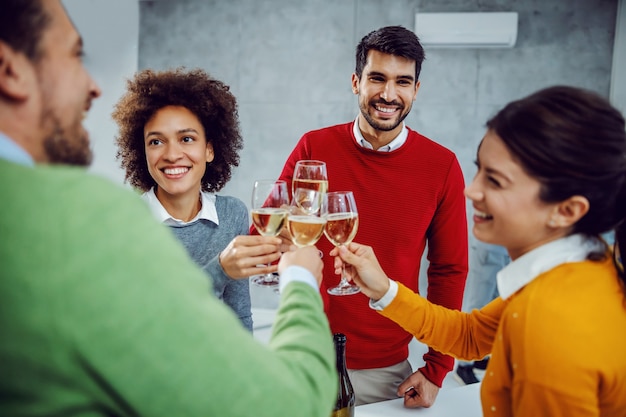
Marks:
<point>344,277</point>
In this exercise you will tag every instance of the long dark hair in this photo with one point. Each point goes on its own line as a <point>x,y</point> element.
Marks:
<point>574,143</point>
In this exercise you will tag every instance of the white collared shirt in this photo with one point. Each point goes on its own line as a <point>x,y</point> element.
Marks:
<point>207,212</point>
<point>520,272</point>
<point>391,146</point>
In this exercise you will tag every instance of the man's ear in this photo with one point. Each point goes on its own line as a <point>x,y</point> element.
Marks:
<point>355,84</point>
<point>15,73</point>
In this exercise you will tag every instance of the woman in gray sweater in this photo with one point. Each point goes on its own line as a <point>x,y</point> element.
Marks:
<point>178,141</point>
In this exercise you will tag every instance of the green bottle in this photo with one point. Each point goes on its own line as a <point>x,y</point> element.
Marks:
<point>344,407</point>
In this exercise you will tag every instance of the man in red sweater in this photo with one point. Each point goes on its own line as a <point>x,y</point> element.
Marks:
<point>409,192</point>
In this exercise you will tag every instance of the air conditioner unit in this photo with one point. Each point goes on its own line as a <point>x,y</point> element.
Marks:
<point>467,30</point>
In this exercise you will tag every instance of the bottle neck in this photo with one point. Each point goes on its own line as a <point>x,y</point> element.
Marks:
<point>341,356</point>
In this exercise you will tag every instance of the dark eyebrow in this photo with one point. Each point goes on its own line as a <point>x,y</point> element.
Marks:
<point>186,130</point>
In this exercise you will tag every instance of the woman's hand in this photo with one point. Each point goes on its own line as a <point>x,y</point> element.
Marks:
<point>365,271</point>
<point>242,255</point>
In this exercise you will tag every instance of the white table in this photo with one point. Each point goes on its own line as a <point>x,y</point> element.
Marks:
<point>263,319</point>
<point>451,402</point>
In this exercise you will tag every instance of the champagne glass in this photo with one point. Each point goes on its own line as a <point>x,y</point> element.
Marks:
<point>342,222</point>
<point>310,174</point>
<point>270,199</point>
<point>306,224</point>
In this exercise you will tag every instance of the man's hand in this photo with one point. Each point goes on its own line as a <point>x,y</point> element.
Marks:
<point>307,257</point>
<point>418,391</point>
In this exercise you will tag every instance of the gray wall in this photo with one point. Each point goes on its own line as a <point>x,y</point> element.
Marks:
<point>289,64</point>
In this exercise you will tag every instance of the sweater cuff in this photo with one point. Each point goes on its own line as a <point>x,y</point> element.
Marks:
<point>436,367</point>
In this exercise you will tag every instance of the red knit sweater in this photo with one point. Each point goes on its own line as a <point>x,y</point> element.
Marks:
<point>405,198</point>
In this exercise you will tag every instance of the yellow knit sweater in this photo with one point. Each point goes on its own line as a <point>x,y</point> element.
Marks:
<point>558,345</point>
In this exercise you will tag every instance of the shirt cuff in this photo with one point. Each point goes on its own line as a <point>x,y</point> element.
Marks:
<point>297,273</point>
<point>386,299</point>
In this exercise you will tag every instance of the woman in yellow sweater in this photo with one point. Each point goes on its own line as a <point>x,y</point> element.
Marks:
<point>551,178</point>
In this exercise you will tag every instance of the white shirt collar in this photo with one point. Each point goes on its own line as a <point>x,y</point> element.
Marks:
<point>523,270</point>
<point>207,212</point>
<point>11,151</point>
<point>391,146</point>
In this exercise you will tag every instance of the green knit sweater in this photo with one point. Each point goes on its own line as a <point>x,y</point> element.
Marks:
<point>102,312</point>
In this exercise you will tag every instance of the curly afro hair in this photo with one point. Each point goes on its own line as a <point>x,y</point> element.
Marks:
<point>209,99</point>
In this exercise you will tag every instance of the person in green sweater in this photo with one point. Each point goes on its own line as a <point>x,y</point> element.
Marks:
<point>92,322</point>
<point>178,141</point>
<point>551,181</point>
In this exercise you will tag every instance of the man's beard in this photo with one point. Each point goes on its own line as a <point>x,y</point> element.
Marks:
<point>62,150</point>
<point>379,126</point>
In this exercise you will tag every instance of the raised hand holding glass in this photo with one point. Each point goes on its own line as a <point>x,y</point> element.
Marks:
<point>342,223</point>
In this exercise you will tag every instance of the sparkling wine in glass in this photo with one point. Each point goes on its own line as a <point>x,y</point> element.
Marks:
<point>310,174</point>
<point>306,225</point>
<point>270,199</point>
<point>342,223</point>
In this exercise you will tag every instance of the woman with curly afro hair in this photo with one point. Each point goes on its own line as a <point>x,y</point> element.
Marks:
<point>178,141</point>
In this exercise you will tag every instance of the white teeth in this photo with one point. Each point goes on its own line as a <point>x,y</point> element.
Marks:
<point>175,171</point>
<point>385,110</point>
<point>481,214</point>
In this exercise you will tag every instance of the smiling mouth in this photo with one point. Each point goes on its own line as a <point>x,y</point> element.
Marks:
<point>482,215</point>
<point>385,109</point>
<point>175,171</point>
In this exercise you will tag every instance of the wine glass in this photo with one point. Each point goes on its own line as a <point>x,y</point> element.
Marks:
<point>306,223</point>
<point>270,199</point>
<point>310,174</point>
<point>342,223</point>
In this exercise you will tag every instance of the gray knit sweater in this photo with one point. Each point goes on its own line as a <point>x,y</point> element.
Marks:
<point>205,240</point>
